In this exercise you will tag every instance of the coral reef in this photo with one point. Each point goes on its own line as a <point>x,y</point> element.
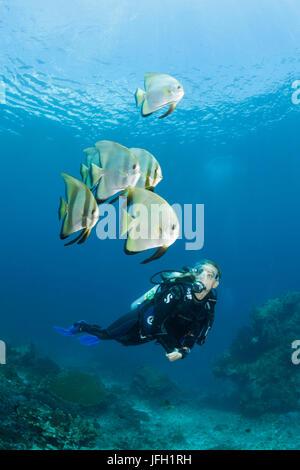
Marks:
<point>44,407</point>
<point>31,418</point>
<point>78,387</point>
<point>259,359</point>
<point>148,381</point>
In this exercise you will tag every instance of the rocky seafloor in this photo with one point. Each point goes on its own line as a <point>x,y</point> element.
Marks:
<point>44,406</point>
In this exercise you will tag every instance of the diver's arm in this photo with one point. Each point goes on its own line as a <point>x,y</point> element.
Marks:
<point>169,344</point>
<point>192,336</point>
<point>164,307</point>
<point>204,331</point>
<point>163,311</point>
<point>202,338</point>
<point>197,334</point>
<point>173,352</point>
<point>174,355</point>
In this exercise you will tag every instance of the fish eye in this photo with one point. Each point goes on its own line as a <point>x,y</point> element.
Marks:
<point>173,227</point>
<point>93,211</point>
<point>179,86</point>
<point>134,167</point>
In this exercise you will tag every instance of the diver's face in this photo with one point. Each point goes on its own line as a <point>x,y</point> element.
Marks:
<point>207,276</point>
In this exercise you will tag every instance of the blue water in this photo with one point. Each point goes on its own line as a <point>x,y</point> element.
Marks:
<point>70,70</point>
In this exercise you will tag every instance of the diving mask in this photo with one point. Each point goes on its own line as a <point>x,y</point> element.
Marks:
<point>205,272</point>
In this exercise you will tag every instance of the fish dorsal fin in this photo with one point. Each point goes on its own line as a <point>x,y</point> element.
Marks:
<point>84,171</point>
<point>143,156</point>
<point>107,149</point>
<point>73,185</point>
<point>148,77</point>
<point>92,156</point>
<point>144,196</point>
<point>95,174</point>
<point>114,155</point>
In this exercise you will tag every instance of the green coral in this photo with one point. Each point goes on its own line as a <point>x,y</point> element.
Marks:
<point>259,359</point>
<point>78,387</point>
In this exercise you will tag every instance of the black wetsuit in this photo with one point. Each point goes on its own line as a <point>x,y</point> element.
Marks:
<point>174,318</point>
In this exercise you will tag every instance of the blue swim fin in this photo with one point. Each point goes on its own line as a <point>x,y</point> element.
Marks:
<point>73,330</point>
<point>63,331</point>
<point>88,340</point>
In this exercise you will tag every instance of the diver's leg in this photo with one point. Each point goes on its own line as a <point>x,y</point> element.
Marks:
<point>117,330</point>
<point>125,330</point>
<point>94,330</point>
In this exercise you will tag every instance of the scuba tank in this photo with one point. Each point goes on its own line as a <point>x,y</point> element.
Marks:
<point>167,278</point>
<point>149,295</point>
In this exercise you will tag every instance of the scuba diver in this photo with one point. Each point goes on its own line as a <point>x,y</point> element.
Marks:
<point>177,312</point>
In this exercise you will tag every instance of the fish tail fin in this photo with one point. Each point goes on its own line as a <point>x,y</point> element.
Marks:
<point>127,221</point>
<point>84,171</point>
<point>95,174</point>
<point>63,208</point>
<point>89,151</point>
<point>140,96</point>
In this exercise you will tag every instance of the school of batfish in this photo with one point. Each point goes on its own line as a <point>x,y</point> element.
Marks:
<point>111,170</point>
